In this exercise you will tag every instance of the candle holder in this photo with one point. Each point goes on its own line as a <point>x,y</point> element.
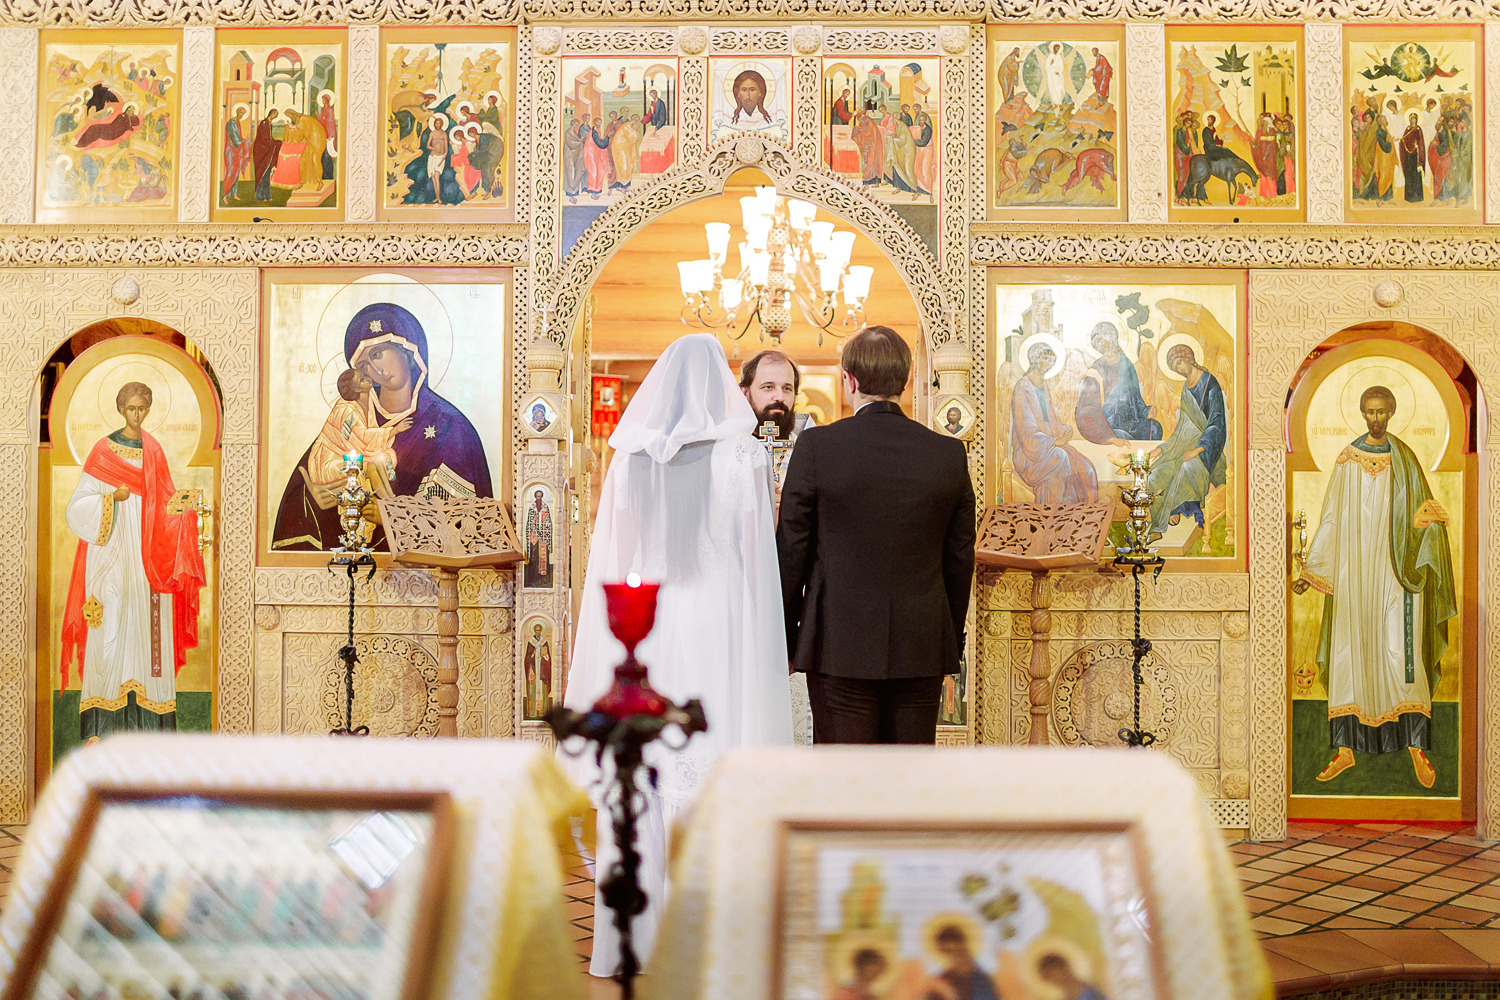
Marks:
<point>1137,553</point>
<point>351,556</point>
<point>630,716</point>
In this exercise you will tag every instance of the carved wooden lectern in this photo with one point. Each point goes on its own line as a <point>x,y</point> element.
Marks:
<point>446,536</point>
<point>1041,538</point>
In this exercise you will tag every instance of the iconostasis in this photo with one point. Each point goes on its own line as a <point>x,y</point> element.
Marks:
<point>454,249</point>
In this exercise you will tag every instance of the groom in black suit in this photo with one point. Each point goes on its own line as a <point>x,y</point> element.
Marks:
<point>876,541</point>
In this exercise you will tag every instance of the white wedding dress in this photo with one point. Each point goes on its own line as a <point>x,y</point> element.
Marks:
<point>686,504</point>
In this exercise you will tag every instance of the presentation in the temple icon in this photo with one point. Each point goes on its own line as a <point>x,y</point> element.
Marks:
<point>619,126</point>
<point>1377,648</point>
<point>1091,374</point>
<point>278,106</point>
<point>109,126</point>
<point>981,914</point>
<point>374,365</point>
<point>1056,127</point>
<point>130,555</point>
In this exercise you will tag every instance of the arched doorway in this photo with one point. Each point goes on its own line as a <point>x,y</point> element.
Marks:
<point>1381,424</point>
<point>142,655</point>
<point>570,319</point>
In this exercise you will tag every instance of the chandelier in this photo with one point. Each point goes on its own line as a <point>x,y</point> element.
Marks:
<point>786,256</point>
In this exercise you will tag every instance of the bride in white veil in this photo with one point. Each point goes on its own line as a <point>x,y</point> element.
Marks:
<point>687,504</point>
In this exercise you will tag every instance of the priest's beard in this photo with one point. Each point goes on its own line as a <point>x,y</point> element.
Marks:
<point>784,419</point>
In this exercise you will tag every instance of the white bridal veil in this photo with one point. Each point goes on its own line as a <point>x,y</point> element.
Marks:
<point>687,504</point>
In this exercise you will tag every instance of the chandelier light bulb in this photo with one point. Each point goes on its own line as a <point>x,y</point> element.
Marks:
<point>766,196</point>
<point>857,284</point>
<point>749,211</point>
<point>718,240</point>
<point>843,248</point>
<point>759,267</point>
<point>757,233</point>
<point>822,236</point>
<point>801,213</point>
<point>828,277</point>
<point>732,293</point>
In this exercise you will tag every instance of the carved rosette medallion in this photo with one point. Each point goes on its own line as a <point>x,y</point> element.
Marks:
<point>692,40</point>
<point>1388,294</point>
<point>395,688</point>
<point>807,40</point>
<point>954,38</point>
<point>125,291</point>
<point>1093,699</point>
<point>547,39</point>
<point>749,149</point>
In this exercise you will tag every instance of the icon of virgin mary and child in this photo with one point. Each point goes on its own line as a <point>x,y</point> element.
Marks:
<point>414,442</point>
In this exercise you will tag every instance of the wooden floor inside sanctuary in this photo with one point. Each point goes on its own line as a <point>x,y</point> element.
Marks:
<point>1334,904</point>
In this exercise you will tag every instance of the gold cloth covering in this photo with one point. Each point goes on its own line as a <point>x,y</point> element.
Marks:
<point>718,933</point>
<point>503,933</point>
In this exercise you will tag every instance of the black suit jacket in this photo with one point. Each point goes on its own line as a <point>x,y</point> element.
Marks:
<point>876,541</point>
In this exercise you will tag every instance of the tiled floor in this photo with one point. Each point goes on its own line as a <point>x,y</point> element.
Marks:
<point>1333,903</point>
<point>1370,876</point>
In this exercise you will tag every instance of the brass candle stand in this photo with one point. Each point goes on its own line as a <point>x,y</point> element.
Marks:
<point>1138,554</point>
<point>352,554</point>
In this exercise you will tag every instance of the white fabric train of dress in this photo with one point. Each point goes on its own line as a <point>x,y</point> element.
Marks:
<point>687,504</point>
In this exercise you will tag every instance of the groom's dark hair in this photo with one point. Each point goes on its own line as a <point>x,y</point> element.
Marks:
<point>879,360</point>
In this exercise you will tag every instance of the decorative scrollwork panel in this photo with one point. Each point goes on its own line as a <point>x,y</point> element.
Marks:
<point>18,78</point>
<point>195,135</point>
<point>1324,153</point>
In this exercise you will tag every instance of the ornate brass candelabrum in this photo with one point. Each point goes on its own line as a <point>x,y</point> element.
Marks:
<point>630,716</point>
<point>351,555</point>
<point>1137,553</point>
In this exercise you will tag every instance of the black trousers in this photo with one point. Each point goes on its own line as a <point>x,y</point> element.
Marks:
<point>852,710</point>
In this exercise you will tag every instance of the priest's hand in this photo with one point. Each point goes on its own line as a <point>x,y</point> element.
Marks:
<point>121,494</point>
<point>1300,587</point>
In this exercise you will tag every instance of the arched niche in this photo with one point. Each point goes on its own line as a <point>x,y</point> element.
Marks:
<point>78,392</point>
<point>569,288</point>
<point>1294,314</point>
<point>1434,417</point>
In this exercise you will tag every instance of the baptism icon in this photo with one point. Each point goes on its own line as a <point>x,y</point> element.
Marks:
<point>415,442</point>
<point>132,605</point>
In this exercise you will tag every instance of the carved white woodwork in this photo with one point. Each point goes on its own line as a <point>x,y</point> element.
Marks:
<point>225,13</point>
<point>1473,248</point>
<point>910,256</point>
<point>363,130</point>
<point>1323,135</point>
<point>18,81</point>
<point>195,125</point>
<point>1492,118</point>
<point>1146,123</point>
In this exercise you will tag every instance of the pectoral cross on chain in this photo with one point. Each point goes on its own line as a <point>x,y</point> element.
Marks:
<point>777,449</point>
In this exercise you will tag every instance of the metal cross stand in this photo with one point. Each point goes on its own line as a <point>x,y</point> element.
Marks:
<point>627,719</point>
<point>1138,554</point>
<point>351,556</point>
